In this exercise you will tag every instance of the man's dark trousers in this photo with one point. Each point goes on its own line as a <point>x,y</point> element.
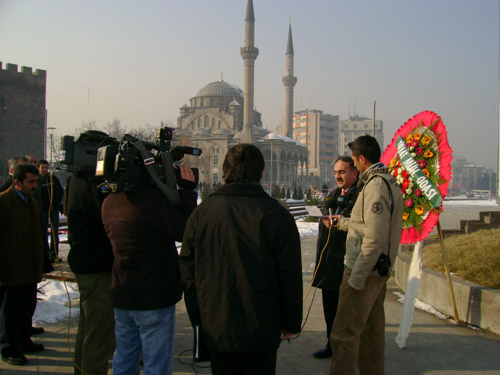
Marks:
<point>20,304</point>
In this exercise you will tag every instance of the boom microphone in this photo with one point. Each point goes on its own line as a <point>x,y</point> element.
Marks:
<point>189,150</point>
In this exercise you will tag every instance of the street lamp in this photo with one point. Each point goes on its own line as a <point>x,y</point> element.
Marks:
<point>51,145</point>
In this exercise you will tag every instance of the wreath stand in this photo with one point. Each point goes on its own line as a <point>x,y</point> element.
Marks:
<point>414,276</point>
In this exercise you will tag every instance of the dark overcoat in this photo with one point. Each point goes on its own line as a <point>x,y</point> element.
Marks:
<point>21,250</point>
<point>241,265</point>
<point>331,268</point>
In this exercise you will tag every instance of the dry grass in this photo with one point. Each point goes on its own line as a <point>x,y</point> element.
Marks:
<point>473,257</point>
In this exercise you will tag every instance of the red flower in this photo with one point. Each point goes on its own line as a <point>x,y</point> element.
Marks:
<point>409,202</point>
<point>418,192</point>
<point>406,183</point>
<point>419,151</point>
<point>422,164</point>
<point>405,174</point>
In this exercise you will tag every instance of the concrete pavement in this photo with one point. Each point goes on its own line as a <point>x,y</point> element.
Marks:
<point>435,346</point>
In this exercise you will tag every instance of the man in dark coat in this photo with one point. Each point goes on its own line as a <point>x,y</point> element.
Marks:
<point>143,227</point>
<point>21,255</point>
<point>12,164</point>
<point>241,265</point>
<point>331,243</point>
<point>51,196</point>
<point>91,259</point>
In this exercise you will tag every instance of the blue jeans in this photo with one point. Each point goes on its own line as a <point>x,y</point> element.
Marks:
<point>150,332</point>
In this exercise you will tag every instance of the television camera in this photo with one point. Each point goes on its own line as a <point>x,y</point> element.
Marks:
<point>131,164</point>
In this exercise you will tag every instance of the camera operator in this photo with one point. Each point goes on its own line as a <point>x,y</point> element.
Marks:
<point>143,227</point>
<point>374,228</point>
<point>90,259</point>
<point>330,250</point>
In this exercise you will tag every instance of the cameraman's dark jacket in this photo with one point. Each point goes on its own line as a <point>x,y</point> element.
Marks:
<point>49,188</point>
<point>331,268</point>
<point>241,264</point>
<point>143,227</point>
<point>90,249</point>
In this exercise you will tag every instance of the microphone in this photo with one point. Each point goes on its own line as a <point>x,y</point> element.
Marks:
<point>188,150</point>
<point>329,202</point>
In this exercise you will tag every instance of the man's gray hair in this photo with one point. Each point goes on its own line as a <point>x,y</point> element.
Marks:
<point>13,161</point>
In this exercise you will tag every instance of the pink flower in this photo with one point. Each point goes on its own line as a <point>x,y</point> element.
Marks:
<point>422,163</point>
<point>418,192</point>
<point>409,202</point>
<point>419,151</point>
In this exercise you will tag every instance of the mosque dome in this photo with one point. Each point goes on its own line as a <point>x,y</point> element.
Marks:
<point>221,88</point>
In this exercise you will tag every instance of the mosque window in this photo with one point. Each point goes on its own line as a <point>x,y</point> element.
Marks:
<point>205,121</point>
<point>216,159</point>
<point>213,123</point>
<point>218,125</point>
<point>216,177</point>
<point>199,123</point>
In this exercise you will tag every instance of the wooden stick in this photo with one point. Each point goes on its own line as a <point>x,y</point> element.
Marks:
<point>447,270</point>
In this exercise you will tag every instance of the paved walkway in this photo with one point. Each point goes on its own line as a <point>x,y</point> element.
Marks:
<point>435,346</point>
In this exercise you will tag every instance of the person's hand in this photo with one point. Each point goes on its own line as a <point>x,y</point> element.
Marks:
<point>186,173</point>
<point>286,335</point>
<point>327,221</point>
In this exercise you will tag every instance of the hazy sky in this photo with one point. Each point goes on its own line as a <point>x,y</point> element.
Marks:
<point>142,60</point>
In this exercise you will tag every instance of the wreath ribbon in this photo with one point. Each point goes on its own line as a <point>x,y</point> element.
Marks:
<point>421,180</point>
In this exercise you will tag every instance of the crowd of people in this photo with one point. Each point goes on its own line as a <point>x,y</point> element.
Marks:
<point>239,267</point>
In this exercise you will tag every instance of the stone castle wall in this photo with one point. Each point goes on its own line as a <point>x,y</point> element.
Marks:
<point>22,113</point>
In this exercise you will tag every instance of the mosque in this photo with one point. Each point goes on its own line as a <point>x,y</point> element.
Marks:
<point>221,115</point>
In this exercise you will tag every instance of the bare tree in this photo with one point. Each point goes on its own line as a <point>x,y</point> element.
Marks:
<point>146,133</point>
<point>89,125</point>
<point>115,129</point>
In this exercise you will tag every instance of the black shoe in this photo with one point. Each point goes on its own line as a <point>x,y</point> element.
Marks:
<point>32,348</point>
<point>324,352</point>
<point>36,331</point>
<point>13,357</point>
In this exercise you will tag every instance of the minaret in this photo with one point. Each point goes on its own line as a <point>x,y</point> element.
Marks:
<point>249,53</point>
<point>289,82</point>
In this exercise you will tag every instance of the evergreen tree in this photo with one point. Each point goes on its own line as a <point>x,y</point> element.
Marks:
<point>287,193</point>
<point>275,191</point>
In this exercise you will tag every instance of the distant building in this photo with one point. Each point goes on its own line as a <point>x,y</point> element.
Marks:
<point>357,126</point>
<point>467,176</point>
<point>22,113</point>
<point>320,133</point>
<point>221,115</point>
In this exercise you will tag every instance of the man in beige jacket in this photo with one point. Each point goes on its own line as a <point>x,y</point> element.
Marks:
<point>374,232</point>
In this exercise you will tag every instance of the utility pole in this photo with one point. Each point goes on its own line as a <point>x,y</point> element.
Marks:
<point>373,130</point>
<point>51,146</point>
